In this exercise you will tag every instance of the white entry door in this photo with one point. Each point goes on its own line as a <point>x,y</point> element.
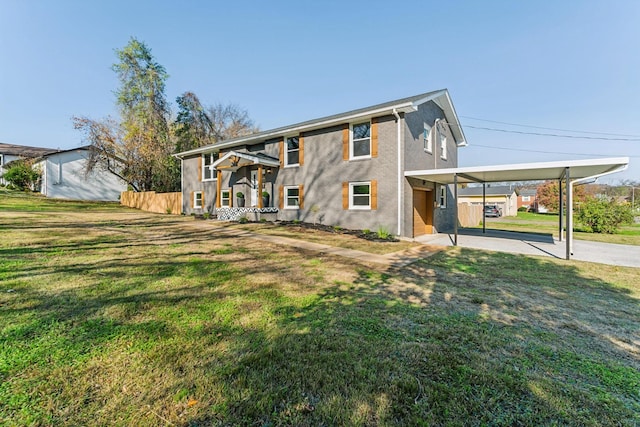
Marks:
<point>254,189</point>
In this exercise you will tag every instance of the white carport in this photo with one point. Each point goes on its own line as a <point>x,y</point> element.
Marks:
<point>571,172</point>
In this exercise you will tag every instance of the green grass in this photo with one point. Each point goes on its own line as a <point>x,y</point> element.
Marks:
<point>109,316</point>
<point>548,223</point>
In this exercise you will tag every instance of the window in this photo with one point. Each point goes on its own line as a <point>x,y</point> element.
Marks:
<point>361,140</point>
<point>225,198</point>
<point>197,199</point>
<point>426,139</point>
<point>526,198</point>
<point>208,171</point>
<point>292,156</point>
<point>442,199</point>
<point>292,197</point>
<point>443,144</point>
<point>360,195</point>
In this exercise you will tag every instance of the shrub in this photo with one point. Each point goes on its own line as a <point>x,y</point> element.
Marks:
<point>603,216</point>
<point>366,231</point>
<point>21,175</point>
<point>296,221</point>
<point>523,209</point>
<point>263,219</point>
<point>206,215</point>
<point>169,211</point>
<point>243,220</point>
<point>383,233</point>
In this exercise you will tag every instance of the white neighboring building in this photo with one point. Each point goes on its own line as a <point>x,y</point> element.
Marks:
<point>63,177</point>
<point>12,152</point>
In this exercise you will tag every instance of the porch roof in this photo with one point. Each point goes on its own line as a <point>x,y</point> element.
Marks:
<point>234,160</point>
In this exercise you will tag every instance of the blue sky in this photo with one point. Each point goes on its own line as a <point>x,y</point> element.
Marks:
<point>568,65</point>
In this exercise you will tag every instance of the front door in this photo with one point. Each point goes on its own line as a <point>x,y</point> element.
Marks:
<point>254,188</point>
<point>422,212</point>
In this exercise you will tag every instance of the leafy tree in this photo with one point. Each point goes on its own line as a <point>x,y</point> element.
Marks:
<point>196,125</point>
<point>603,216</point>
<point>548,194</point>
<point>139,147</point>
<point>192,127</point>
<point>22,175</point>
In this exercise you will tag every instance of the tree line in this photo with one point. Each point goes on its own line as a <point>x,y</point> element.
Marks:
<point>138,146</point>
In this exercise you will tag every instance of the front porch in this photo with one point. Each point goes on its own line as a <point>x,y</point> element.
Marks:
<point>252,214</point>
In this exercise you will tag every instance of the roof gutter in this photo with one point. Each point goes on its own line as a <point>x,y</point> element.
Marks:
<point>404,107</point>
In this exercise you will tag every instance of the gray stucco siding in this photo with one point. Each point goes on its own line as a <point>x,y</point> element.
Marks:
<point>324,172</point>
<point>191,183</point>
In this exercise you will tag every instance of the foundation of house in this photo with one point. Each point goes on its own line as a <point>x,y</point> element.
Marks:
<point>252,214</point>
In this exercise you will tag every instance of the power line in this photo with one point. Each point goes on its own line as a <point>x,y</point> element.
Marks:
<point>600,138</point>
<point>551,152</point>
<point>545,128</point>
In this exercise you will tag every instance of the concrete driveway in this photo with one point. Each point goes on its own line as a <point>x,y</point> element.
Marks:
<point>538,244</point>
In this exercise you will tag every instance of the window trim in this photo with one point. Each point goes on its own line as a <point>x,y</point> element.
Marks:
<point>526,198</point>
<point>427,143</point>
<point>214,176</point>
<point>359,207</point>
<point>286,152</point>
<point>286,189</point>
<point>195,199</point>
<point>228,199</point>
<point>443,145</point>
<point>352,140</point>
<point>442,197</point>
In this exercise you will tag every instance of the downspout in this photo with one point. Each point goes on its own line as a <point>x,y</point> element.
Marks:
<point>399,150</point>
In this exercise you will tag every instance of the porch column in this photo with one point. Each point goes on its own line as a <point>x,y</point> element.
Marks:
<point>560,211</point>
<point>484,201</point>
<point>455,210</point>
<point>260,186</point>
<point>567,178</point>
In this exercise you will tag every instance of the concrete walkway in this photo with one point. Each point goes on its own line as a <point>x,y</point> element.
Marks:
<point>539,244</point>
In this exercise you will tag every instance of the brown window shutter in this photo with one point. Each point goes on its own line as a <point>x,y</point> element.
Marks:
<point>282,153</point>
<point>374,137</point>
<point>301,153</point>
<point>281,194</point>
<point>301,196</point>
<point>345,195</point>
<point>345,142</point>
<point>203,205</point>
<point>374,194</point>
<point>200,161</point>
<point>192,199</point>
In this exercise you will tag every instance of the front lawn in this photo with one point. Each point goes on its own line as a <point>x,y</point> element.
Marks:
<point>548,223</point>
<point>110,316</point>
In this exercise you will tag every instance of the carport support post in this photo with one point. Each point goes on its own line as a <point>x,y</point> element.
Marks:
<point>569,227</point>
<point>455,210</point>
<point>484,216</point>
<point>560,211</point>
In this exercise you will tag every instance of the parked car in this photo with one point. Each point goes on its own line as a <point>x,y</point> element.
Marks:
<point>492,211</point>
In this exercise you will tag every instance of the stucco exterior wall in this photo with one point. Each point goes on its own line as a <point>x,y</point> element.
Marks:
<point>64,178</point>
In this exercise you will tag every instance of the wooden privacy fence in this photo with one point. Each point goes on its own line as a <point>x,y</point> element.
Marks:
<point>469,215</point>
<point>151,201</point>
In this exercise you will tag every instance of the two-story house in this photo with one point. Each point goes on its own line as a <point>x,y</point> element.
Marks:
<point>345,170</point>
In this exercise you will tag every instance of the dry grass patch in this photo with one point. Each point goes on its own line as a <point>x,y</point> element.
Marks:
<point>132,319</point>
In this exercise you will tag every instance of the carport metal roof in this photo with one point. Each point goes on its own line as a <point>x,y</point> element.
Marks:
<point>571,171</point>
<point>580,169</point>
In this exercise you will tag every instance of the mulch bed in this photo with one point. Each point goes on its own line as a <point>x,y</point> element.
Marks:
<point>371,235</point>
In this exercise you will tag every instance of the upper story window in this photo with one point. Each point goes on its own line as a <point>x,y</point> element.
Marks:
<point>443,144</point>
<point>292,156</point>
<point>426,139</point>
<point>360,140</point>
<point>208,171</point>
<point>526,198</point>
